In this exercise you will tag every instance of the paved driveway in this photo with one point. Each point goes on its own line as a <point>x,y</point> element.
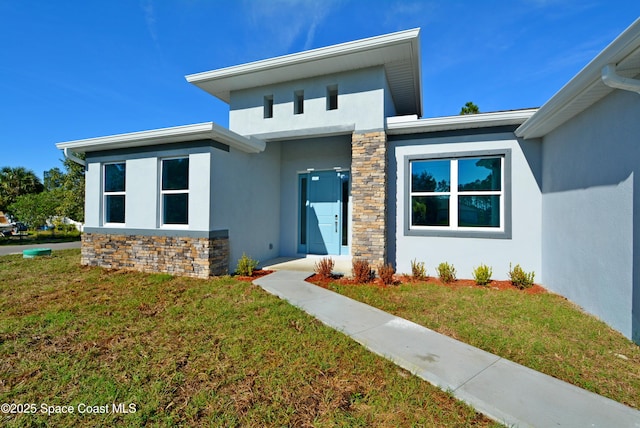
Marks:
<point>17,249</point>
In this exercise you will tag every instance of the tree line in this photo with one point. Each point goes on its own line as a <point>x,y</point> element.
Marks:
<point>34,202</point>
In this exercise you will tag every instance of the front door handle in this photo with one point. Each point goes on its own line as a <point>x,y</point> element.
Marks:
<point>336,223</point>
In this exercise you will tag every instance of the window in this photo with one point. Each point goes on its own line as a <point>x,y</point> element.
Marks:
<point>175,191</point>
<point>298,102</point>
<point>268,106</point>
<point>458,194</point>
<point>332,97</point>
<point>430,193</point>
<point>114,192</point>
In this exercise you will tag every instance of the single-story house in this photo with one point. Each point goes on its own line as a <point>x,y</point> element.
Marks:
<point>327,153</point>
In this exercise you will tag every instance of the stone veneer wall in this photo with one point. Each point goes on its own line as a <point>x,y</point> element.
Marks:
<point>183,256</point>
<point>369,196</point>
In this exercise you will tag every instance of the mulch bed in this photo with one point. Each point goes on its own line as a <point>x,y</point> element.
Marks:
<point>256,274</point>
<point>405,279</point>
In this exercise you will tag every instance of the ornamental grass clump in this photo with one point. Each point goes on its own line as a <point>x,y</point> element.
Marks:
<point>246,265</point>
<point>386,272</point>
<point>446,272</point>
<point>418,270</point>
<point>362,272</point>
<point>482,274</point>
<point>520,278</point>
<point>324,267</point>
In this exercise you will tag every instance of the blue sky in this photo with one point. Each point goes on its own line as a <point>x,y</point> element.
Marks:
<point>80,69</point>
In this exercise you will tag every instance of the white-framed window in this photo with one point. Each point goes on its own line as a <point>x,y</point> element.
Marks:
<point>114,185</point>
<point>174,191</point>
<point>458,194</point>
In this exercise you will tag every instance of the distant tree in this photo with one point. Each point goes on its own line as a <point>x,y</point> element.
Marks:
<point>425,182</point>
<point>69,186</point>
<point>35,209</point>
<point>53,179</point>
<point>492,179</point>
<point>469,108</point>
<point>15,182</point>
<point>73,204</point>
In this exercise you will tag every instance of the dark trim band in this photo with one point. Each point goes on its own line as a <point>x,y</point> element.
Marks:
<point>176,233</point>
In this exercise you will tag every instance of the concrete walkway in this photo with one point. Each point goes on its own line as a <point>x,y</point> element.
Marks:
<point>503,390</point>
<point>17,249</point>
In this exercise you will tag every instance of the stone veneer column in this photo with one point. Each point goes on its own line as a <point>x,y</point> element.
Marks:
<point>369,196</point>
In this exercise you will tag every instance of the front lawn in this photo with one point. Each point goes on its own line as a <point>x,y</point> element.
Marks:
<point>188,352</point>
<point>542,331</point>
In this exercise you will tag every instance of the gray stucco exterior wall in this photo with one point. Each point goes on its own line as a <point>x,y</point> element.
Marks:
<point>361,101</point>
<point>142,192</point>
<point>228,190</point>
<point>522,245</point>
<point>591,211</point>
<point>245,198</point>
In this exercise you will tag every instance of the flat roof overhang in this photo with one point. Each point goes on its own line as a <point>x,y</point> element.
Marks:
<point>177,134</point>
<point>398,52</point>
<point>412,125</point>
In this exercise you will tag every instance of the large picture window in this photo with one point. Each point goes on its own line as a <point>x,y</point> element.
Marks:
<point>175,191</point>
<point>114,192</point>
<point>457,194</point>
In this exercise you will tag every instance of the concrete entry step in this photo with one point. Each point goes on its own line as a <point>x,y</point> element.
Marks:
<point>306,263</point>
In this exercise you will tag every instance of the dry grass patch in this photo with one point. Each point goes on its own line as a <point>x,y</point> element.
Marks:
<point>190,352</point>
<point>542,331</point>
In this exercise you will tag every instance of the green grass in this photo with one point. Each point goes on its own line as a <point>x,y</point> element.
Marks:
<point>190,352</point>
<point>542,331</point>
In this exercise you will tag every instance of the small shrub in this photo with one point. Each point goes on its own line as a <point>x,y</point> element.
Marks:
<point>418,270</point>
<point>362,272</point>
<point>520,278</point>
<point>246,265</point>
<point>446,272</point>
<point>386,272</point>
<point>482,274</point>
<point>324,267</point>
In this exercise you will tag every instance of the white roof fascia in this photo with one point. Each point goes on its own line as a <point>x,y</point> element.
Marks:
<point>585,88</point>
<point>409,125</point>
<point>306,56</point>
<point>369,52</point>
<point>177,134</point>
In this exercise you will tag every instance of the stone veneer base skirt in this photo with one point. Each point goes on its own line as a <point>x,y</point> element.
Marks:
<point>183,256</point>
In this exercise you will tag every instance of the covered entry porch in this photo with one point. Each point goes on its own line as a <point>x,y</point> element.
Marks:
<point>315,204</point>
<point>306,263</point>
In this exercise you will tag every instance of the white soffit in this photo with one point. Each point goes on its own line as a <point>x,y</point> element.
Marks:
<point>177,134</point>
<point>586,88</point>
<point>398,52</point>
<point>409,125</point>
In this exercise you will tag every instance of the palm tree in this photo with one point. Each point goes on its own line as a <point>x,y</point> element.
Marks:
<point>15,182</point>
